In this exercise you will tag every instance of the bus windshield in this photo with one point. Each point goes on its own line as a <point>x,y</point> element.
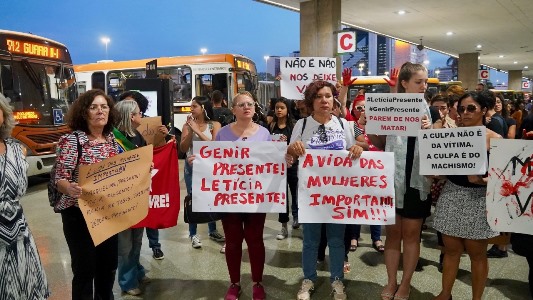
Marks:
<point>34,90</point>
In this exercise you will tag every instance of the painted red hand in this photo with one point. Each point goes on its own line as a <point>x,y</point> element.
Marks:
<point>393,77</point>
<point>347,77</point>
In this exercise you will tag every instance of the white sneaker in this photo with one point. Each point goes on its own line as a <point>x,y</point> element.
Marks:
<point>338,290</point>
<point>196,243</point>
<point>283,234</point>
<point>305,290</point>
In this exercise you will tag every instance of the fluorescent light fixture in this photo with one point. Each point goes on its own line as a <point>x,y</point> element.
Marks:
<point>449,33</point>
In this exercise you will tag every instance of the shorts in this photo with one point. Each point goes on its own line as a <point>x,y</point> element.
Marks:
<point>413,207</point>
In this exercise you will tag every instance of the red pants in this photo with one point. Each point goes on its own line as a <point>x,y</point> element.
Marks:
<point>247,226</point>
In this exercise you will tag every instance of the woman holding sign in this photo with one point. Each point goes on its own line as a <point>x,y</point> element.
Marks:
<point>244,226</point>
<point>91,117</point>
<point>460,214</point>
<point>411,190</point>
<point>321,130</point>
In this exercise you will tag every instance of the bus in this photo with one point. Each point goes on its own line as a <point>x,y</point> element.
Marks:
<point>510,95</point>
<point>192,76</point>
<point>377,84</point>
<point>37,79</point>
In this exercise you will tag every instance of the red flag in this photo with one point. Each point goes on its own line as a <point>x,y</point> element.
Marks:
<point>165,192</point>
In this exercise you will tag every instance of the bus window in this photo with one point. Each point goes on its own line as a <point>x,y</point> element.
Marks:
<point>204,84</point>
<point>6,80</point>
<point>98,80</point>
<point>181,76</point>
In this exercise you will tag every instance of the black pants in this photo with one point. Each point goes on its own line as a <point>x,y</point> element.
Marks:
<point>89,263</point>
<point>292,184</point>
<point>530,277</point>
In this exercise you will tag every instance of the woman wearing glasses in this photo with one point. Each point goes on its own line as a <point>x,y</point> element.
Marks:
<point>460,213</point>
<point>91,117</point>
<point>321,130</point>
<point>244,226</point>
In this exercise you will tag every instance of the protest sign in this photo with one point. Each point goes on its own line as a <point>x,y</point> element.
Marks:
<point>395,114</point>
<point>453,151</point>
<point>298,72</point>
<point>333,188</point>
<point>239,177</point>
<point>149,129</point>
<point>509,189</point>
<point>115,192</point>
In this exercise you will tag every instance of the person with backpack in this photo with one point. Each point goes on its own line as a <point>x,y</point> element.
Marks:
<point>91,117</point>
<point>23,275</point>
<point>200,126</point>
<point>222,114</point>
<point>321,130</point>
<point>280,130</point>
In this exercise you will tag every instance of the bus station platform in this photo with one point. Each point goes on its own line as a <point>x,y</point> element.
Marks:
<point>187,273</point>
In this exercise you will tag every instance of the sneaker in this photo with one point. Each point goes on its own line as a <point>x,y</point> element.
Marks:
<point>338,290</point>
<point>158,254</point>
<point>217,237</point>
<point>305,290</point>
<point>295,224</point>
<point>494,252</point>
<point>233,292</point>
<point>283,234</point>
<point>258,292</point>
<point>134,292</point>
<point>196,243</point>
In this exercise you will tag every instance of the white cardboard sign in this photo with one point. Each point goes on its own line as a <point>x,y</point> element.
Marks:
<point>298,72</point>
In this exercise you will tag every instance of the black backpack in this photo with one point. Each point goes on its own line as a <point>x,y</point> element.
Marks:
<point>223,115</point>
<point>53,193</point>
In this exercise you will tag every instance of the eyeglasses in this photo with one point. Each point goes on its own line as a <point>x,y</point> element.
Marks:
<point>470,108</point>
<point>247,104</point>
<point>322,136</point>
<point>103,107</point>
<point>360,108</point>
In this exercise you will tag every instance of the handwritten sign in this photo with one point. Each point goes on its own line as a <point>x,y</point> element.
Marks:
<point>453,151</point>
<point>115,192</point>
<point>510,188</point>
<point>149,129</point>
<point>239,177</point>
<point>333,188</point>
<point>298,72</point>
<point>394,114</point>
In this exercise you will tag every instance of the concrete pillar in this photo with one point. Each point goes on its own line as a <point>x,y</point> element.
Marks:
<point>319,19</point>
<point>515,80</point>
<point>469,70</point>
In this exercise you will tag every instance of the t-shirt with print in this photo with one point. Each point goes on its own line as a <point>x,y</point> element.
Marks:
<point>330,136</point>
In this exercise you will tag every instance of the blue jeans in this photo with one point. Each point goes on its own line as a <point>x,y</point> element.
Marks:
<point>375,232</point>
<point>187,175</point>
<point>335,235</point>
<point>130,270</point>
<point>153,238</point>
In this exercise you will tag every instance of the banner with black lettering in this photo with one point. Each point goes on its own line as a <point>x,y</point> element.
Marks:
<point>164,203</point>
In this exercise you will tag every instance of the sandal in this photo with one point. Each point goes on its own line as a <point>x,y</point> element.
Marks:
<point>388,295</point>
<point>347,267</point>
<point>353,247</point>
<point>223,249</point>
<point>379,248</point>
<point>396,297</point>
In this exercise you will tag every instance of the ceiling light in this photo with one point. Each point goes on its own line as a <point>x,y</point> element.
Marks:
<point>401,12</point>
<point>515,62</point>
<point>500,56</point>
<point>449,33</point>
<point>526,67</point>
<point>479,46</point>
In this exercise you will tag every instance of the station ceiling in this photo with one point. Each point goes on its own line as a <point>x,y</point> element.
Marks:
<point>503,28</point>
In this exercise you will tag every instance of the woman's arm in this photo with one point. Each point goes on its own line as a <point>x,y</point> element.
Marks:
<point>186,138</point>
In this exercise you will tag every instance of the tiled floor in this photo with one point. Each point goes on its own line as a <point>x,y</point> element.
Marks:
<point>188,273</point>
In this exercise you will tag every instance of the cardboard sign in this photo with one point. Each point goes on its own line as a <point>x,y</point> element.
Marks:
<point>239,177</point>
<point>395,114</point>
<point>149,129</point>
<point>115,192</point>
<point>510,188</point>
<point>453,151</point>
<point>298,72</point>
<point>333,188</point>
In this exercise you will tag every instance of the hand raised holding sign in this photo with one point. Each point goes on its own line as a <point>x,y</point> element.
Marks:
<point>426,122</point>
<point>355,152</point>
<point>296,149</point>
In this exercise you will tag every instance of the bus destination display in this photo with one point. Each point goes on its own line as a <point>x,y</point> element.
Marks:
<point>34,49</point>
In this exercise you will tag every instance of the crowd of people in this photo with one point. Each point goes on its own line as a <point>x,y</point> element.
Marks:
<point>102,128</point>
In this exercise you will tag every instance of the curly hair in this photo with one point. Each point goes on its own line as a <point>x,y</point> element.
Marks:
<point>9,120</point>
<point>78,114</point>
<point>406,72</point>
<point>312,90</point>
